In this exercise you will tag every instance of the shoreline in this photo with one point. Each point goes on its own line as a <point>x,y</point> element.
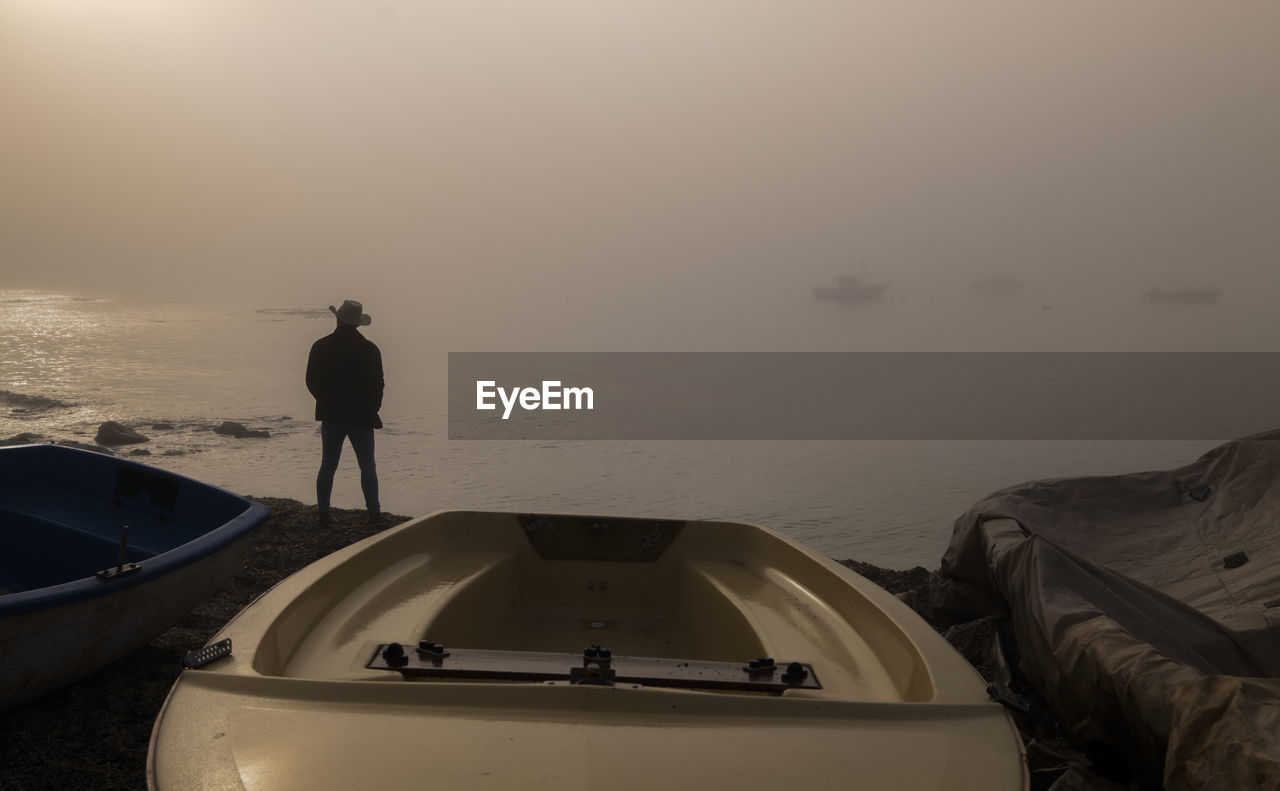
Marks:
<point>95,733</point>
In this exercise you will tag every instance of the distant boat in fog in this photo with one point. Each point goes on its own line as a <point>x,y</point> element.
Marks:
<point>997,284</point>
<point>1183,296</point>
<point>849,289</point>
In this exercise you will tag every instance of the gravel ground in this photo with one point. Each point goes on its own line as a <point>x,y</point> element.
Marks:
<point>93,735</point>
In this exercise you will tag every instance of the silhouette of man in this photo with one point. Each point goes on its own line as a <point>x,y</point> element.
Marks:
<point>344,373</point>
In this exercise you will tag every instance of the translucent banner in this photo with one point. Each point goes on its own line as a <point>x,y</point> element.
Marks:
<point>862,395</point>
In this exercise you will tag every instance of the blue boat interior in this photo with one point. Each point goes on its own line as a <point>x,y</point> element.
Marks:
<point>62,515</point>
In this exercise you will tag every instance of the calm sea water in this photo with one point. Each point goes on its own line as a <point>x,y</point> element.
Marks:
<point>68,363</point>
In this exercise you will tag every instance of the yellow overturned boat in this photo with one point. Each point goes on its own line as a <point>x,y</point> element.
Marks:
<point>466,650</point>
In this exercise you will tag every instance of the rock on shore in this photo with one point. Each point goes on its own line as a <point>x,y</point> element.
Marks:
<point>113,433</point>
<point>239,430</point>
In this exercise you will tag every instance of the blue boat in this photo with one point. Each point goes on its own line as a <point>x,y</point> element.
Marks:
<point>98,555</point>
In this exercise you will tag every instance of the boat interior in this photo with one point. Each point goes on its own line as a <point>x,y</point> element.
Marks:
<point>516,585</point>
<point>63,517</point>
<point>38,552</point>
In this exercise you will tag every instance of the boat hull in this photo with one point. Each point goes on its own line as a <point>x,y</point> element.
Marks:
<point>58,530</point>
<point>307,698</point>
<point>47,649</point>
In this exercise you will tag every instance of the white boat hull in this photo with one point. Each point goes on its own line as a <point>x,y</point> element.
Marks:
<point>309,698</point>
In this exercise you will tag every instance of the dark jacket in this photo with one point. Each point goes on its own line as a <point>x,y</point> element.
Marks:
<point>344,373</point>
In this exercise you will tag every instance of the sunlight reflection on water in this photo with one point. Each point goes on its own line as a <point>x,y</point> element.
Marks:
<point>891,503</point>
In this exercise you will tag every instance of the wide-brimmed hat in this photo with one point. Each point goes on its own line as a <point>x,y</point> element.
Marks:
<point>351,312</point>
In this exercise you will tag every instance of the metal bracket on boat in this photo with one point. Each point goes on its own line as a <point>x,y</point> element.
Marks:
<point>595,668</point>
<point>393,654</point>
<point>121,568</point>
<point>598,656</point>
<point>595,665</point>
<point>432,651</point>
<point>203,656</point>
<point>118,571</point>
<point>796,673</point>
<point>764,666</point>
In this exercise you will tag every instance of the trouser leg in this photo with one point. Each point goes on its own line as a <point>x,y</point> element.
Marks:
<point>362,444</point>
<point>331,436</point>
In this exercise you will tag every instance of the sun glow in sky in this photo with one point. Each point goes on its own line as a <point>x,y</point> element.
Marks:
<point>508,151</point>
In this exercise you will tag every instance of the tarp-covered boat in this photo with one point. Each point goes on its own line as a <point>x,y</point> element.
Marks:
<point>1146,607</point>
<point>467,650</point>
<point>98,555</point>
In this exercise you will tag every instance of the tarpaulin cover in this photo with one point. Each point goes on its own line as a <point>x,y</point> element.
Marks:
<point>1140,606</point>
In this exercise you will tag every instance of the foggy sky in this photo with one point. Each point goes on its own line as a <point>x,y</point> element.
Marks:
<point>511,154</point>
